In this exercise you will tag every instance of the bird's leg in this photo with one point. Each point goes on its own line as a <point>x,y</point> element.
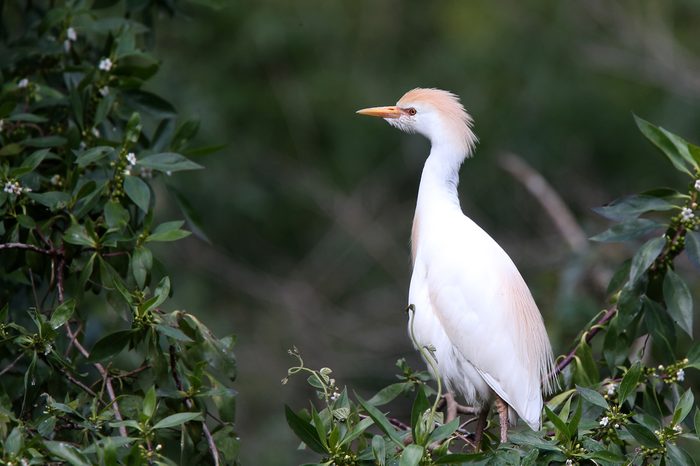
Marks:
<point>480,426</point>
<point>451,407</point>
<point>502,408</point>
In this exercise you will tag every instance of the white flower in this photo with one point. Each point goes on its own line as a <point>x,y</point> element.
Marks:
<point>105,64</point>
<point>604,422</point>
<point>27,190</point>
<point>617,426</point>
<point>569,462</point>
<point>83,146</point>
<point>146,172</point>
<point>71,34</point>
<point>697,185</point>
<point>687,213</point>
<point>56,179</point>
<point>66,45</point>
<point>2,125</point>
<point>48,349</point>
<point>24,82</point>
<point>680,375</point>
<point>104,91</point>
<point>95,132</point>
<point>611,389</point>
<point>169,173</point>
<point>678,428</point>
<point>12,187</point>
<point>335,395</point>
<point>127,172</point>
<point>131,158</point>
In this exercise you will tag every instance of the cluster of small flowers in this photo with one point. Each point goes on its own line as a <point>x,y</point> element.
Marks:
<point>71,36</point>
<point>610,390</point>
<point>612,420</point>
<point>697,185</point>
<point>13,187</point>
<point>131,161</point>
<point>56,180</point>
<point>673,373</point>
<point>687,214</point>
<point>105,64</point>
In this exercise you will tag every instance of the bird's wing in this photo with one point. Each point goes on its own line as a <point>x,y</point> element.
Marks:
<point>490,317</point>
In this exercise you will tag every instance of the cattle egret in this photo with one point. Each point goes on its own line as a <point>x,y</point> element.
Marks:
<point>471,304</point>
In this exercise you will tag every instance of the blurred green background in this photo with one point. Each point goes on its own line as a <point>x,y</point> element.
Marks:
<point>308,207</point>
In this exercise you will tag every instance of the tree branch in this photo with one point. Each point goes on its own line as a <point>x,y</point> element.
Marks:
<point>29,247</point>
<point>590,333</point>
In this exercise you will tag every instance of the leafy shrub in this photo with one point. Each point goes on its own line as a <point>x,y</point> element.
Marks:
<point>622,403</point>
<point>94,369</point>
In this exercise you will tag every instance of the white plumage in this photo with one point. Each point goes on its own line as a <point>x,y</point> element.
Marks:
<point>471,303</point>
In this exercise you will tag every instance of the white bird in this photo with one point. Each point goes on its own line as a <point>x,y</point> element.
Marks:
<point>471,303</point>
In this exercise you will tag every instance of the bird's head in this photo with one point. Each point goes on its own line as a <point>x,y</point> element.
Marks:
<point>434,113</point>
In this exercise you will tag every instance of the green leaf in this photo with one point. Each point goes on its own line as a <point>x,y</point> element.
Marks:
<point>420,405</point>
<point>592,397</point>
<point>605,455</point>
<point>62,313</point>
<point>168,231</point>
<point>78,235</point>
<point>684,406</point>
<point>168,162</point>
<point>381,421</point>
<point>645,256</point>
<point>631,207</point>
<point>679,302</point>
<point>562,429</point>
<point>304,430</point>
<point>149,403</point>
<point>628,230</point>
<point>643,435</point>
<point>460,458</point>
<point>92,155</point>
<point>379,450</point>
<point>67,452</point>
<point>692,247</point>
<point>14,442</point>
<point>172,332</point>
<point>677,457</point>
<point>149,103</point>
<point>177,419</point>
<point>444,431</point>
<point>669,145</point>
<point>138,191</point>
<point>696,422</point>
<point>388,393</point>
<point>411,455</point>
<point>52,199</point>
<point>116,216</point>
<point>141,263</point>
<point>320,427</point>
<point>357,430</point>
<point>629,382</point>
<point>110,345</point>
<point>29,117</point>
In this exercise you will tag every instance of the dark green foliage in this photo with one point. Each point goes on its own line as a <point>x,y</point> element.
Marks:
<point>619,403</point>
<point>95,370</point>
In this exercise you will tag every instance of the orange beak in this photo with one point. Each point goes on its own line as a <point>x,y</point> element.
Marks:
<point>381,112</point>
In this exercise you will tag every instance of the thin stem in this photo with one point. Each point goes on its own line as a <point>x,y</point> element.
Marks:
<point>29,247</point>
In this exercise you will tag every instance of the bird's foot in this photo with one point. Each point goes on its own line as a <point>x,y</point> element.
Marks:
<point>502,408</point>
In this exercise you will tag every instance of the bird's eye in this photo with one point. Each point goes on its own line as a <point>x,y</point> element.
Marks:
<point>411,111</point>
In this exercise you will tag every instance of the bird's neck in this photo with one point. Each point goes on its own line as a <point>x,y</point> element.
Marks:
<point>440,178</point>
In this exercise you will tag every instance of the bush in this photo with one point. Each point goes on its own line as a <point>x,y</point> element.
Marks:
<point>94,369</point>
<point>621,403</point>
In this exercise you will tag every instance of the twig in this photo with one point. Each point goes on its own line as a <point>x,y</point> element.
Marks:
<point>11,365</point>
<point>29,247</point>
<point>59,273</point>
<point>555,207</point>
<point>190,405</point>
<point>105,375</point>
<point>590,333</point>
